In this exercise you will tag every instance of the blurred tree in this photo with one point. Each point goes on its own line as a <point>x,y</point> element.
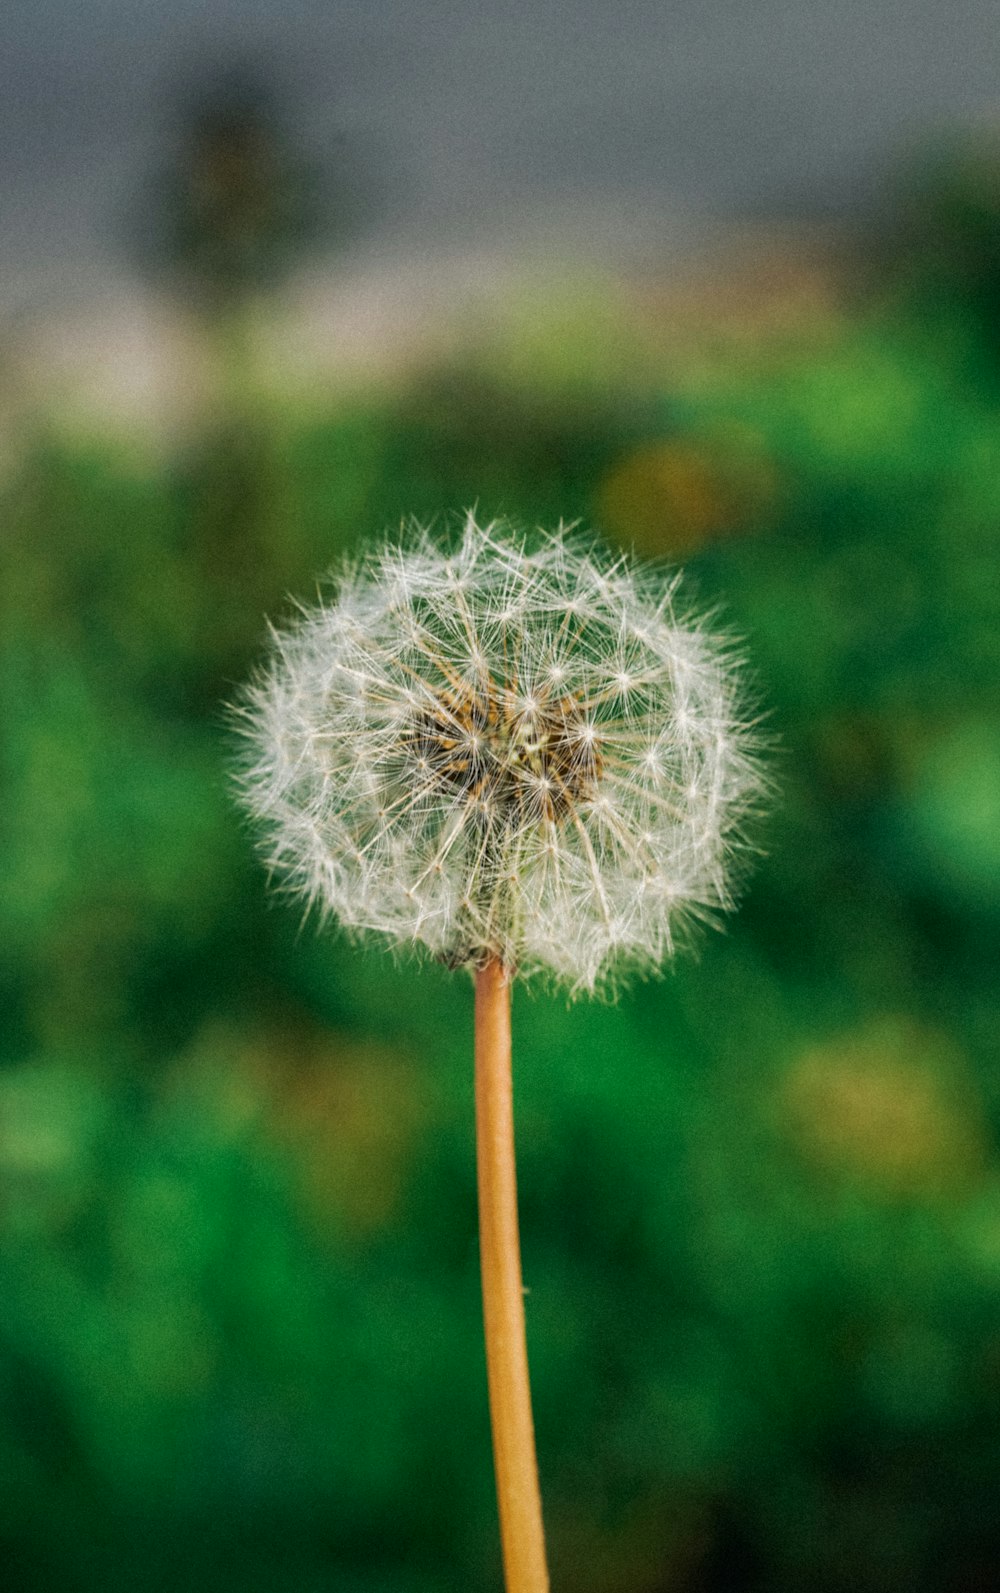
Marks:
<point>946,240</point>
<point>236,205</point>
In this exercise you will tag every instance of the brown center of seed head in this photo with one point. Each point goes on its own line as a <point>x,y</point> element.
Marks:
<point>524,757</point>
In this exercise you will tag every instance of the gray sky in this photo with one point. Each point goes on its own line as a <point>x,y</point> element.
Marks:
<point>482,120</point>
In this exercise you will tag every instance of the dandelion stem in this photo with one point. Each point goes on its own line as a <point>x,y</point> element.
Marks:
<point>503,1296</point>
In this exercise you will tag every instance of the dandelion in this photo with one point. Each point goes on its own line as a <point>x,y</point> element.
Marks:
<point>524,759</point>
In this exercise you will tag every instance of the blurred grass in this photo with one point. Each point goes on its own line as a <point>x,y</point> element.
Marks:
<point>239,1323</point>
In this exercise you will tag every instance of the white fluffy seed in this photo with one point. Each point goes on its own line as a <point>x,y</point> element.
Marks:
<point>514,752</point>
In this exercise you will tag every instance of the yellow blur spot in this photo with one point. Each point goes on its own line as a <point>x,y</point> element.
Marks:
<point>889,1106</point>
<point>671,498</point>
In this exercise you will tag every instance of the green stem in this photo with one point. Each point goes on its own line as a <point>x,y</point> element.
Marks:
<point>516,1468</point>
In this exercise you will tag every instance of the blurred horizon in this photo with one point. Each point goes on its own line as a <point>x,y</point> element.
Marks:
<point>598,132</point>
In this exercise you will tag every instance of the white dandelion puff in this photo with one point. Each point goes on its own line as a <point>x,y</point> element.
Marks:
<point>511,753</point>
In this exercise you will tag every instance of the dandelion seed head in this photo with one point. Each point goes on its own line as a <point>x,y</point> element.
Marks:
<point>512,751</point>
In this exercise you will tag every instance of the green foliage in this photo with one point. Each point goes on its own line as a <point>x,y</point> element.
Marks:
<point>240,1320</point>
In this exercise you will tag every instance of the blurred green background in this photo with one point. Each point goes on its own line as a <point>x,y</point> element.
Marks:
<point>240,1338</point>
